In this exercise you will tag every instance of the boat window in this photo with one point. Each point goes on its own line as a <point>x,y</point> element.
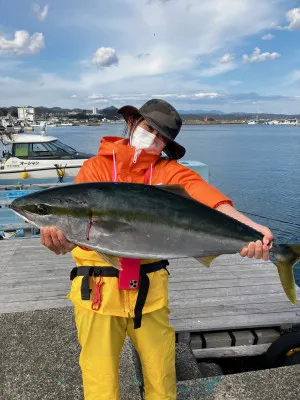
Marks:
<point>38,148</point>
<point>20,150</point>
<point>64,147</point>
<point>57,150</point>
<point>45,150</point>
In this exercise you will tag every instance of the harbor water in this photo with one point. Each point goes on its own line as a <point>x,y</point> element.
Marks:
<point>257,166</point>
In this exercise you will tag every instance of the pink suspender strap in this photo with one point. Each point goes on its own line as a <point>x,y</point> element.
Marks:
<point>114,168</point>
<point>148,176</point>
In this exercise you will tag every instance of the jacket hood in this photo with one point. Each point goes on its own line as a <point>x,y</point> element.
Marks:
<point>125,153</point>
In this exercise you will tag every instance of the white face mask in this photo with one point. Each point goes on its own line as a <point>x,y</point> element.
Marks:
<point>144,140</point>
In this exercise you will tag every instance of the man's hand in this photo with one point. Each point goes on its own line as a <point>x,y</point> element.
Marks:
<point>55,240</point>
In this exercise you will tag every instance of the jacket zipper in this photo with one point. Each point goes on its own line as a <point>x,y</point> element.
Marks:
<point>135,155</point>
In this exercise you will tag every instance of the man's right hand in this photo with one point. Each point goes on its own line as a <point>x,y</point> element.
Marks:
<point>55,240</point>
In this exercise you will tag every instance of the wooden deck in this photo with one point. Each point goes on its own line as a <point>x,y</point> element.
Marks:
<point>235,293</point>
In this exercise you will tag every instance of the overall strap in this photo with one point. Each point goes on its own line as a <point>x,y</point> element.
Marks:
<point>88,271</point>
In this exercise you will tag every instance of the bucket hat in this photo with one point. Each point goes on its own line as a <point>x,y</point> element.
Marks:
<point>162,117</point>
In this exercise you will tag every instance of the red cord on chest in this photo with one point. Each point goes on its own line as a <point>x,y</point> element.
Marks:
<point>89,227</point>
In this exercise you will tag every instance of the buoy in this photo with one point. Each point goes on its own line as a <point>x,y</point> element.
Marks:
<point>60,173</point>
<point>24,175</point>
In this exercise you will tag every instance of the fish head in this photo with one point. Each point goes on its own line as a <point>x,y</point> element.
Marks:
<point>51,207</point>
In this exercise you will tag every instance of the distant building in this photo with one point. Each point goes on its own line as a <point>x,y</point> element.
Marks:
<point>95,111</point>
<point>26,114</point>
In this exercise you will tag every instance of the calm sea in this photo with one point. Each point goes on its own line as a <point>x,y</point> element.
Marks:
<point>258,167</point>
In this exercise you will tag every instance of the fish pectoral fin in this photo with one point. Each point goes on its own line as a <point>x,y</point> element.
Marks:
<point>206,260</point>
<point>111,260</point>
<point>286,256</point>
<point>108,226</point>
<point>177,189</point>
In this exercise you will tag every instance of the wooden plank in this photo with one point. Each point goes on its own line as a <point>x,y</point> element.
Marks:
<point>235,293</point>
<point>5,259</point>
<point>225,259</point>
<point>223,276</point>
<point>32,296</point>
<point>232,268</point>
<point>34,305</point>
<point>234,322</point>
<point>239,282</point>
<point>193,285</point>
<point>59,273</point>
<point>177,303</point>
<point>224,292</point>
<point>36,288</point>
<point>64,267</point>
<point>235,351</point>
<point>234,310</point>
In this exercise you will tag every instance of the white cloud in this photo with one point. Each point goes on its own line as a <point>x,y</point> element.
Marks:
<point>98,101</point>
<point>157,1</point>
<point>74,96</point>
<point>268,36</point>
<point>279,27</point>
<point>292,78</point>
<point>208,95</point>
<point>143,55</point>
<point>95,96</point>
<point>257,56</point>
<point>227,58</point>
<point>22,43</point>
<point>234,83</point>
<point>175,53</point>
<point>217,69</point>
<point>40,14</point>
<point>293,17</point>
<point>105,57</point>
<point>220,66</point>
<point>163,95</point>
<point>154,29</point>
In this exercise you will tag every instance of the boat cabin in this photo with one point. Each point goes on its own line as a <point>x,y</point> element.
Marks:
<point>37,147</point>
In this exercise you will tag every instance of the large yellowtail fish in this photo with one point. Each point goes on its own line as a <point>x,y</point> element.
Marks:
<point>146,222</point>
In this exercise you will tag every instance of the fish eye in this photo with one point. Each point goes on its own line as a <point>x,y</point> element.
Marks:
<point>42,209</point>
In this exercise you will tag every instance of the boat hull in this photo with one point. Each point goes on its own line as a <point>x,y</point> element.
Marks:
<point>47,172</point>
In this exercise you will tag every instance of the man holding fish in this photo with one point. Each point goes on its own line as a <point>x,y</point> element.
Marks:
<point>121,235</point>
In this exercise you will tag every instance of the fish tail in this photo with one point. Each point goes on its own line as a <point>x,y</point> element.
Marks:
<point>286,256</point>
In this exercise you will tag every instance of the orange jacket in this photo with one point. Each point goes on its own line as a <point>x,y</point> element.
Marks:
<point>165,171</point>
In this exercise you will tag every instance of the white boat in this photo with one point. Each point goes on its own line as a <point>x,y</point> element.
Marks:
<point>251,122</point>
<point>30,156</point>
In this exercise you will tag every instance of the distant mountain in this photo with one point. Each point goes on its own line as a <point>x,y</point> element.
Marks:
<point>110,113</point>
<point>111,108</point>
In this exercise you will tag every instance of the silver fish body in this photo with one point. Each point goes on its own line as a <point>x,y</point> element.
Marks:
<point>146,222</point>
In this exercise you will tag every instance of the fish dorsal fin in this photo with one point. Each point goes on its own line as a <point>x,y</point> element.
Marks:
<point>206,260</point>
<point>177,189</point>
<point>111,260</point>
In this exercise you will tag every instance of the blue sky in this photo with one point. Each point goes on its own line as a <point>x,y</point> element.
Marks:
<point>230,55</point>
